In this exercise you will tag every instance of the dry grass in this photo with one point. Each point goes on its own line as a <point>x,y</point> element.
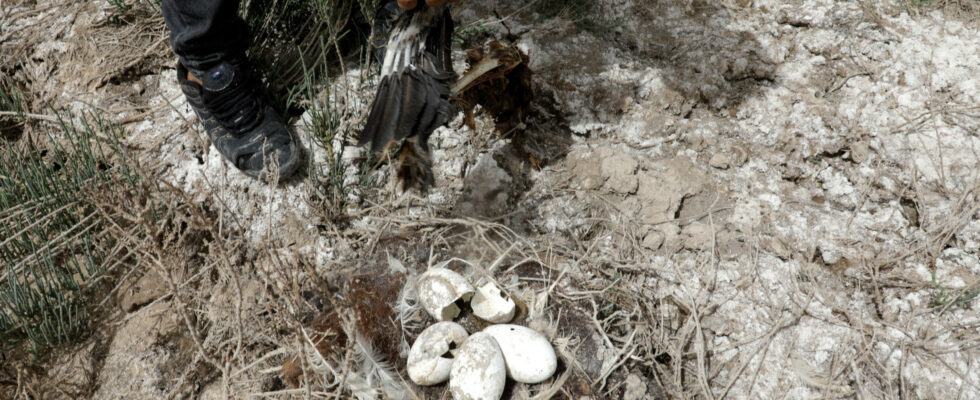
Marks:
<point>611,307</point>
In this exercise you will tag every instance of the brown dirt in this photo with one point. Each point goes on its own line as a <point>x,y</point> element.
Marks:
<point>710,199</point>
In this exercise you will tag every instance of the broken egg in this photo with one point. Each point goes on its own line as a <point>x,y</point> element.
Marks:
<point>440,289</point>
<point>492,305</point>
<point>432,354</point>
<point>527,353</point>
<point>479,372</point>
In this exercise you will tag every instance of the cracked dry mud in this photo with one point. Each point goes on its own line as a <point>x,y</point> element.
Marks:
<point>785,189</point>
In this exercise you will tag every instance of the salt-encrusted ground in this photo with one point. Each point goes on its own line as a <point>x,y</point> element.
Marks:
<point>760,199</point>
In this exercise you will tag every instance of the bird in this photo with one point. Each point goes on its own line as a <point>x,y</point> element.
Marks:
<point>413,97</point>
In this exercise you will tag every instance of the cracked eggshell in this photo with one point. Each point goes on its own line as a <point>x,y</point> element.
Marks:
<point>427,364</point>
<point>529,356</point>
<point>492,305</point>
<point>439,289</point>
<point>479,372</point>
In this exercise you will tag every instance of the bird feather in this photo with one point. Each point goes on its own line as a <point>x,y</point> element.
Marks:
<point>375,375</point>
<point>412,99</point>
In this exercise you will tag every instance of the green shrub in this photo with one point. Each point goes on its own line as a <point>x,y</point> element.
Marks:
<point>299,45</point>
<point>11,109</point>
<point>329,124</point>
<point>292,38</point>
<point>53,245</point>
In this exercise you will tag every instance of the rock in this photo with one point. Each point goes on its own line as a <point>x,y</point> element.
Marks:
<point>623,184</point>
<point>779,249</point>
<point>608,168</point>
<point>672,235</point>
<point>584,171</point>
<point>698,236</point>
<point>74,370</point>
<point>860,152</point>
<point>620,172</point>
<point>636,389</point>
<point>486,189</point>
<point>591,181</point>
<point>144,291</point>
<point>791,172</point>
<point>213,391</point>
<point>664,187</point>
<point>738,156</point>
<point>728,246</point>
<point>135,363</point>
<point>653,240</point>
<point>704,204</point>
<point>657,205</point>
<point>830,254</point>
<point>720,161</point>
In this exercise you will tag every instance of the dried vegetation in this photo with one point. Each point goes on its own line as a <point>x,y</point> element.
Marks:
<point>692,199</point>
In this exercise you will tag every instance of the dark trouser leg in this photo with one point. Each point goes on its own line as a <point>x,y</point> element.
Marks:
<point>210,39</point>
<point>205,32</point>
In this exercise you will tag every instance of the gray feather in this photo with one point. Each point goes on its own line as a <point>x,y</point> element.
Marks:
<point>412,99</point>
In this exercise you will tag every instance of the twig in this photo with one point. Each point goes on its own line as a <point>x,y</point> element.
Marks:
<point>42,117</point>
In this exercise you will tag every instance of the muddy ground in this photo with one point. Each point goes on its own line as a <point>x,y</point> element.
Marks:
<point>709,199</point>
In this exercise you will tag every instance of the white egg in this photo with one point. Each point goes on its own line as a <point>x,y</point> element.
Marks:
<point>433,352</point>
<point>528,354</point>
<point>478,372</point>
<point>492,305</point>
<point>439,289</point>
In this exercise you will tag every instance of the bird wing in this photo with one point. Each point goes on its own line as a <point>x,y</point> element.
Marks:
<point>413,97</point>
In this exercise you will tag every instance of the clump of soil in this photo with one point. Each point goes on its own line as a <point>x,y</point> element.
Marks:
<point>738,199</point>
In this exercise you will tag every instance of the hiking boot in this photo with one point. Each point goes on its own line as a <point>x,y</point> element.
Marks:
<point>242,127</point>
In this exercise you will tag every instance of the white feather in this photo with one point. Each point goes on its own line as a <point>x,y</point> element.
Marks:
<point>406,43</point>
<point>319,364</point>
<point>408,308</point>
<point>395,266</point>
<point>375,376</point>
